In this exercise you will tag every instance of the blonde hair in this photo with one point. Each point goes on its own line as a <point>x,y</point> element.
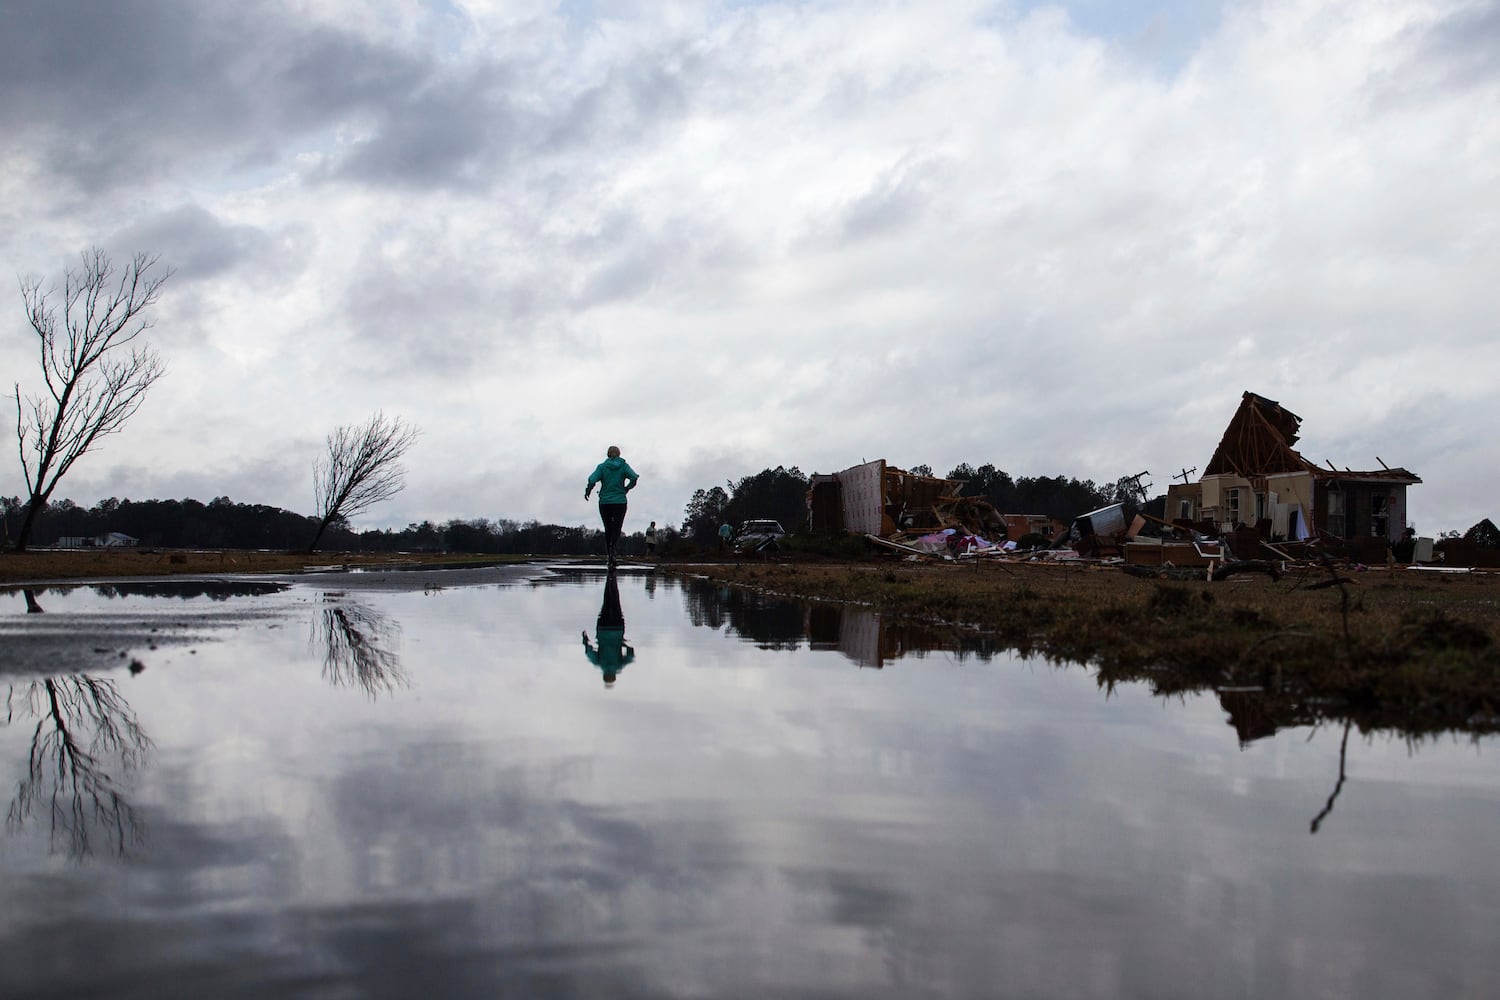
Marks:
<point>614,451</point>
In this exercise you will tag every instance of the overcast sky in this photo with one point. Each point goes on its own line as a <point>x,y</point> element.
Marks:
<point>1062,238</point>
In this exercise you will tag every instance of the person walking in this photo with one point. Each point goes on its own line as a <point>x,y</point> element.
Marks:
<point>651,539</point>
<point>615,478</point>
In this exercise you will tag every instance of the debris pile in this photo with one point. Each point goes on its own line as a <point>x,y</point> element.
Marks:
<point>908,512</point>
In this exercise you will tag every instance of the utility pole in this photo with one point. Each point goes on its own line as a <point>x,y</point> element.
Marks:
<point>1137,489</point>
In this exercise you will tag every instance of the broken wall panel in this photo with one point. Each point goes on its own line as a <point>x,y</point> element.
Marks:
<point>863,489</point>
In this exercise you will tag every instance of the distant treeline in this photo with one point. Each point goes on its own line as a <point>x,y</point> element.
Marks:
<point>778,494</point>
<point>224,524</point>
<point>1061,497</point>
<point>221,523</point>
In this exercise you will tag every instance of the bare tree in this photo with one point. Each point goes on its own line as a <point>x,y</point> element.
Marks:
<point>96,378</point>
<point>362,468</point>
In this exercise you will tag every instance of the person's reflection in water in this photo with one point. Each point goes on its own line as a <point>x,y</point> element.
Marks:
<point>609,651</point>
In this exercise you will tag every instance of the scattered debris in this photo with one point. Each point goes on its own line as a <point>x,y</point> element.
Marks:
<point>925,515</point>
<point>1258,507</point>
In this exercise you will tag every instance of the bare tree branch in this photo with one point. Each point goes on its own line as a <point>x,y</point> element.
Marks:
<point>362,468</point>
<point>95,377</point>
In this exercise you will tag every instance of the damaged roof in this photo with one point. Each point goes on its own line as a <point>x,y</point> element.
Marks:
<point>1258,442</point>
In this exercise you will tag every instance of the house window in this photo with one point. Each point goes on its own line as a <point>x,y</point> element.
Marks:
<point>1234,507</point>
<point>1185,510</point>
<point>1260,507</point>
<point>1336,513</point>
<point>1379,515</point>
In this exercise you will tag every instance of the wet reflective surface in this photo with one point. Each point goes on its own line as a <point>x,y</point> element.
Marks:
<point>512,785</point>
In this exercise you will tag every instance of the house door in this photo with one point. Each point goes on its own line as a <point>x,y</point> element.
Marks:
<point>1336,513</point>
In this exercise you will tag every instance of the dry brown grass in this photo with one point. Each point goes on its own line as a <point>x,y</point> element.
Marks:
<point>991,594</point>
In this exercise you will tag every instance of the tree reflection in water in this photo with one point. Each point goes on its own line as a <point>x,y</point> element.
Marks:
<point>870,639</point>
<point>85,733</point>
<point>863,635</point>
<point>358,645</point>
<point>1259,711</point>
<point>186,590</point>
<point>1339,785</point>
<point>769,622</point>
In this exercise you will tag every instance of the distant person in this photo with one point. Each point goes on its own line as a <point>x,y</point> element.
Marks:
<point>615,478</point>
<point>609,652</point>
<point>725,534</point>
<point>651,539</point>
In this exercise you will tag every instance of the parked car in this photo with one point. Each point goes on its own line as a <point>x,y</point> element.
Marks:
<point>759,536</point>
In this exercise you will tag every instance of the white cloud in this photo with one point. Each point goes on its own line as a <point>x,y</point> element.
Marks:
<point>734,237</point>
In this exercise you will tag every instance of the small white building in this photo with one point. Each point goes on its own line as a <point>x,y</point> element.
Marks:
<point>108,540</point>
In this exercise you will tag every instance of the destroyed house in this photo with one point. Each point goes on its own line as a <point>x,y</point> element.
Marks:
<point>1257,479</point>
<point>879,499</point>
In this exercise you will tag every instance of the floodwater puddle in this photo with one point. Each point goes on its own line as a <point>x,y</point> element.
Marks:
<point>541,782</point>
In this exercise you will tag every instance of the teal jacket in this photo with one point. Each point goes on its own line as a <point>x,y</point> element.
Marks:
<point>613,654</point>
<point>615,478</point>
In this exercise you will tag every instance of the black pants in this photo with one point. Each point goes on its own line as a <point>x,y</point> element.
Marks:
<point>610,615</point>
<point>613,516</point>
